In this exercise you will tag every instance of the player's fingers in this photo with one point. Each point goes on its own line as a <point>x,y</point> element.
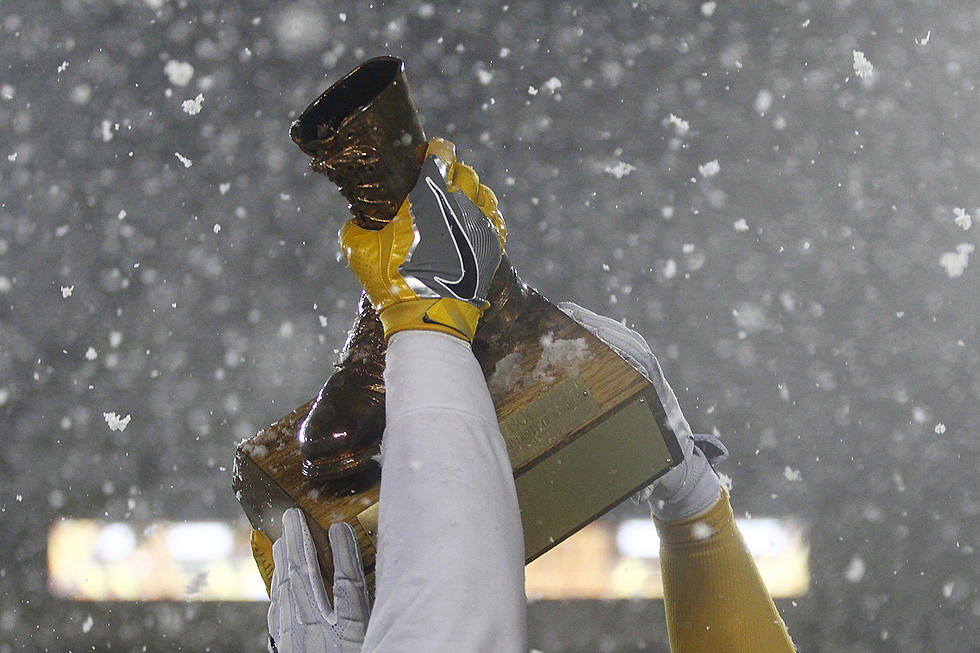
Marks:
<point>628,343</point>
<point>349,586</point>
<point>304,570</point>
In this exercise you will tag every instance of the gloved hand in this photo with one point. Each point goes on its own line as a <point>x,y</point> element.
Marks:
<point>430,267</point>
<point>301,619</point>
<point>682,487</point>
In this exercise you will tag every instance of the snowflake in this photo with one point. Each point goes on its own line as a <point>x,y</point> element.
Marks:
<point>183,159</point>
<point>620,169</point>
<point>197,583</point>
<point>115,422</point>
<point>552,85</point>
<point>862,67</point>
<point>681,126</point>
<point>485,76</point>
<point>955,262</point>
<point>179,73</point>
<point>962,219</point>
<point>855,570</point>
<point>709,169</point>
<point>193,107</point>
<point>763,101</point>
<point>701,530</point>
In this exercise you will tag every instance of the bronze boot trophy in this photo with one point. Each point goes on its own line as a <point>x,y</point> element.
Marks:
<point>583,429</point>
<point>364,134</point>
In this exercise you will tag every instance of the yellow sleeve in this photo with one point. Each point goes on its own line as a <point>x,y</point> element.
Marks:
<point>714,598</point>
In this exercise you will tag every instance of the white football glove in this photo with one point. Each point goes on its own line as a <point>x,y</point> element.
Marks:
<point>684,478</point>
<point>301,619</point>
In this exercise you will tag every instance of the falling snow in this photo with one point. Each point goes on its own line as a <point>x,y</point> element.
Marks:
<point>485,76</point>
<point>962,219</point>
<point>179,73</point>
<point>165,249</point>
<point>552,85</point>
<point>680,126</point>
<point>193,107</point>
<point>855,570</point>
<point>115,422</point>
<point>955,262</point>
<point>709,169</point>
<point>619,169</point>
<point>862,67</point>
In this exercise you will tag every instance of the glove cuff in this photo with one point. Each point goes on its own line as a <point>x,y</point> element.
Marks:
<point>445,315</point>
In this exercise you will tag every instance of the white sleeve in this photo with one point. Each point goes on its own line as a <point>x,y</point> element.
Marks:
<point>450,561</point>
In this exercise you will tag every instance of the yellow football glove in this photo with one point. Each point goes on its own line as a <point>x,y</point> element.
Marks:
<point>430,267</point>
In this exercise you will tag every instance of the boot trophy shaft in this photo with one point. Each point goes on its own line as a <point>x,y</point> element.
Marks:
<point>364,134</point>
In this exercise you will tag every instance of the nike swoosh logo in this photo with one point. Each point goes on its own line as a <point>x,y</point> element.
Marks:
<point>465,286</point>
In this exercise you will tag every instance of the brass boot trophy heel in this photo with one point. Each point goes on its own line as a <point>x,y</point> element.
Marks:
<point>556,388</point>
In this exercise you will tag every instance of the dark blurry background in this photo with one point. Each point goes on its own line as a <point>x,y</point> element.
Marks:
<point>799,297</point>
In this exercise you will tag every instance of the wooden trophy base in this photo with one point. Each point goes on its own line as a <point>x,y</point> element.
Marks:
<point>584,430</point>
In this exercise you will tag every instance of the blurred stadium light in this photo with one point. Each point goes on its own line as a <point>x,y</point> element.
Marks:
<point>92,560</point>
